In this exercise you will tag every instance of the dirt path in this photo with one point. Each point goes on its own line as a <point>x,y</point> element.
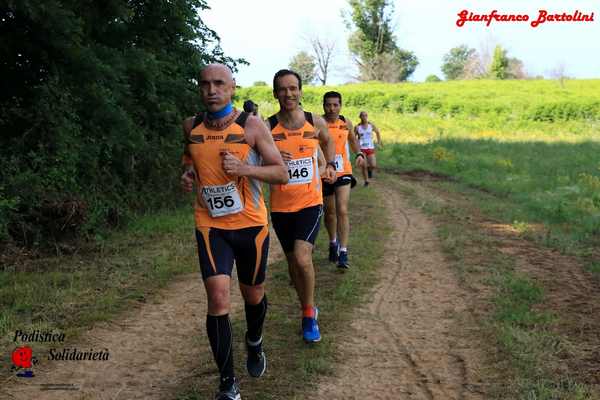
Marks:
<point>152,350</point>
<point>411,340</point>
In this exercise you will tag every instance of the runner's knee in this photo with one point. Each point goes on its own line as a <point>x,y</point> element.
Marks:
<point>304,262</point>
<point>342,211</point>
<point>218,301</point>
<point>330,215</point>
<point>252,294</point>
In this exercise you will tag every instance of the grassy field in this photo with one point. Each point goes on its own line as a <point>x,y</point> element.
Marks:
<point>71,292</point>
<point>534,144</point>
<point>511,306</point>
<point>525,154</point>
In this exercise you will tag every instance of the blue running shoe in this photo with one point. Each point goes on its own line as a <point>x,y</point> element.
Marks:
<point>343,260</point>
<point>310,328</point>
<point>333,251</point>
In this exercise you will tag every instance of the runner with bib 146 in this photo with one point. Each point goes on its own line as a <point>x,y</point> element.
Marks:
<point>296,207</point>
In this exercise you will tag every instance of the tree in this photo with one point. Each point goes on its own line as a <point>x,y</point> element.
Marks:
<point>475,67</point>
<point>304,64</point>
<point>323,52</point>
<point>406,63</point>
<point>516,69</point>
<point>91,107</point>
<point>455,61</point>
<point>499,65</point>
<point>432,78</point>
<point>559,73</point>
<point>373,44</point>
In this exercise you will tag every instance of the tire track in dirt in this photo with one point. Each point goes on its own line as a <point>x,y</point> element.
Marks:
<point>153,349</point>
<point>409,341</point>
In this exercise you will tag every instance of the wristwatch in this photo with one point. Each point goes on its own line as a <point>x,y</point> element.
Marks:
<point>333,164</point>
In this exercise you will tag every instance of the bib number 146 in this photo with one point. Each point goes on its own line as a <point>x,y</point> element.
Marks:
<point>300,171</point>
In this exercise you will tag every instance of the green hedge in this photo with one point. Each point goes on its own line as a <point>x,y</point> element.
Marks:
<point>91,111</point>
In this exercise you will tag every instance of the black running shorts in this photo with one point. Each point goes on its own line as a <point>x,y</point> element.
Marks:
<point>249,247</point>
<point>299,225</point>
<point>329,188</point>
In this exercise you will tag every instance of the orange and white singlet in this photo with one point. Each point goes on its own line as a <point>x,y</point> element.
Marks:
<point>223,201</point>
<point>304,186</point>
<point>339,132</point>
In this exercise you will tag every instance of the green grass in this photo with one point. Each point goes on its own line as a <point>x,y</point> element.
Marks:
<point>420,112</point>
<point>594,269</point>
<point>534,144</point>
<point>294,366</point>
<point>554,184</point>
<point>72,292</point>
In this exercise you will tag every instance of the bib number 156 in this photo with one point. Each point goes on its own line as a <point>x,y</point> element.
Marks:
<point>222,199</point>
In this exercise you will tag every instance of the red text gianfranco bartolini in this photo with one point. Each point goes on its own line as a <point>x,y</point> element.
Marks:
<point>542,17</point>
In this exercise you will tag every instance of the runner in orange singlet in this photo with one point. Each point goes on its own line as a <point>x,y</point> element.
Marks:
<point>337,195</point>
<point>227,155</point>
<point>296,207</point>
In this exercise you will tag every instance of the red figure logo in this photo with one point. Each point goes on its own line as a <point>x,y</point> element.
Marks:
<point>21,357</point>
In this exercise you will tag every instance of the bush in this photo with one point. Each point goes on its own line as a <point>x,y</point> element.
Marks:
<point>432,78</point>
<point>91,110</point>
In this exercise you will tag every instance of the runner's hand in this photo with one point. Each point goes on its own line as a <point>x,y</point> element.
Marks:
<point>322,171</point>
<point>286,156</point>
<point>360,161</point>
<point>187,181</point>
<point>329,174</point>
<point>233,166</point>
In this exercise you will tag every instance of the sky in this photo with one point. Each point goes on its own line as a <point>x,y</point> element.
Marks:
<point>268,33</point>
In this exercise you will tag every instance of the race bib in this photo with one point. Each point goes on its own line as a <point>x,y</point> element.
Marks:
<point>339,163</point>
<point>222,199</point>
<point>300,171</point>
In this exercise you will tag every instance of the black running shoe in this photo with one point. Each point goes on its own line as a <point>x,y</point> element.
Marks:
<point>366,183</point>
<point>333,251</point>
<point>229,390</point>
<point>343,260</point>
<point>256,363</point>
<point>370,174</point>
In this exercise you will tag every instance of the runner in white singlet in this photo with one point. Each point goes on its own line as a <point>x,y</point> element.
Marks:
<point>364,133</point>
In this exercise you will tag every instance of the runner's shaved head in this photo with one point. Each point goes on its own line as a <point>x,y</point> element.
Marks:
<point>222,70</point>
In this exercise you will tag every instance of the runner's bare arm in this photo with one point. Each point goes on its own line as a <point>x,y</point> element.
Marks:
<point>272,170</point>
<point>325,139</point>
<point>379,142</point>
<point>354,146</point>
<point>188,176</point>
<point>322,163</point>
<point>326,143</point>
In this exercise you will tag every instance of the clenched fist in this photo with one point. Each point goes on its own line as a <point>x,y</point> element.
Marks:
<point>233,166</point>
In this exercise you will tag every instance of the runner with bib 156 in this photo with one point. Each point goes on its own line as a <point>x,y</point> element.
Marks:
<point>227,154</point>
